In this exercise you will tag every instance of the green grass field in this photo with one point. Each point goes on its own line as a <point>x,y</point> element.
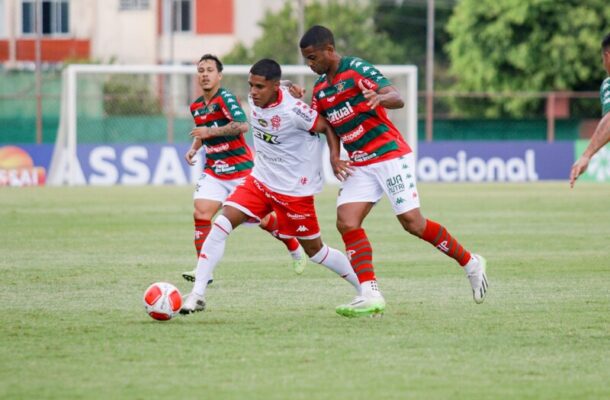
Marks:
<point>74,263</point>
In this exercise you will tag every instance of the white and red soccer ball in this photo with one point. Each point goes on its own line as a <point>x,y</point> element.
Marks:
<point>162,301</point>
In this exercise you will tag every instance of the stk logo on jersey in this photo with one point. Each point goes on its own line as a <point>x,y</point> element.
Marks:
<point>267,137</point>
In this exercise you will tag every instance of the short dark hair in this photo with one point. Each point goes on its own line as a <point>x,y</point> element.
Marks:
<point>317,36</point>
<point>268,68</point>
<point>606,42</point>
<point>212,57</point>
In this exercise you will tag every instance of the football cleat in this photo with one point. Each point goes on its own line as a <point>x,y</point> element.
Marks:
<point>189,276</point>
<point>362,306</point>
<point>299,265</point>
<point>478,278</point>
<point>192,304</point>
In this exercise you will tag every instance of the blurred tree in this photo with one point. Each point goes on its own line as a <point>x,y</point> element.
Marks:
<point>533,45</point>
<point>352,23</point>
<point>405,23</point>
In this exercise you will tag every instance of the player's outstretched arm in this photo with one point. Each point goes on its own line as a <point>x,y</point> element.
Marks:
<point>387,97</point>
<point>341,168</point>
<point>600,137</point>
<point>233,128</point>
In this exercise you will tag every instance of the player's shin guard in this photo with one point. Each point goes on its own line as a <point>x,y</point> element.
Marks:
<point>271,226</point>
<point>438,236</point>
<point>360,254</point>
<point>211,252</point>
<point>337,262</point>
<point>202,229</point>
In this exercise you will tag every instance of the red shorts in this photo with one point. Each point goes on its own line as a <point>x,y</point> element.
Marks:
<point>296,216</point>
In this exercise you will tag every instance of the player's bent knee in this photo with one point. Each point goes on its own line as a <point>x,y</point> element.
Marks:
<point>311,247</point>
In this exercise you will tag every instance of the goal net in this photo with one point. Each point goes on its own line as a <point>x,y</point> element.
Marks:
<point>119,109</point>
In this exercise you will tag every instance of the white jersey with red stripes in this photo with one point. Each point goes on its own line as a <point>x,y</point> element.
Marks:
<point>288,156</point>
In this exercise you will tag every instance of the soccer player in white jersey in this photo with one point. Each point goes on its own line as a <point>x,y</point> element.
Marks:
<point>221,125</point>
<point>286,175</point>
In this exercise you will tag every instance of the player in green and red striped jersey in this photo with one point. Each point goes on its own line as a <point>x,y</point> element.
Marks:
<point>220,127</point>
<point>601,136</point>
<point>353,95</point>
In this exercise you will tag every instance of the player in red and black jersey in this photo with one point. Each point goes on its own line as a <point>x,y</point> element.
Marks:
<point>353,95</point>
<point>220,127</point>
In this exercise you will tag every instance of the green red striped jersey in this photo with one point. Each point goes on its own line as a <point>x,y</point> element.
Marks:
<point>367,134</point>
<point>604,96</point>
<point>227,157</point>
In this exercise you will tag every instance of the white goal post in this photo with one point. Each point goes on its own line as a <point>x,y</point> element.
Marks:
<point>65,167</point>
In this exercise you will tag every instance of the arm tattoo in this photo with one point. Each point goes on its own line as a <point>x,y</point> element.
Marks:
<point>233,128</point>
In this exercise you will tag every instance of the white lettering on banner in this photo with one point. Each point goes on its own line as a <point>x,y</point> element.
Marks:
<point>136,171</point>
<point>101,161</point>
<point>475,169</point>
<point>169,169</point>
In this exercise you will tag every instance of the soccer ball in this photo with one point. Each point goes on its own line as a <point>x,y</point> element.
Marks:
<point>162,301</point>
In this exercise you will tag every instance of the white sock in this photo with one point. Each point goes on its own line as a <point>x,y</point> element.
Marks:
<point>337,262</point>
<point>297,254</point>
<point>471,264</point>
<point>370,289</point>
<point>211,252</point>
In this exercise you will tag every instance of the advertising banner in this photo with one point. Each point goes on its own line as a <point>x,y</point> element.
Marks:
<point>163,164</point>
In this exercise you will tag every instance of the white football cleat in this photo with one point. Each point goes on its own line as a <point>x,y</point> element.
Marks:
<point>193,303</point>
<point>362,306</point>
<point>475,271</point>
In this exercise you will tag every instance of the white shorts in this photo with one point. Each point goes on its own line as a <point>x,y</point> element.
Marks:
<point>211,188</point>
<point>395,178</point>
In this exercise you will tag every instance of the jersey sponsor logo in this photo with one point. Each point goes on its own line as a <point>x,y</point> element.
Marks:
<point>298,216</point>
<point>395,184</point>
<point>305,116</point>
<point>302,228</point>
<point>221,167</point>
<point>354,135</point>
<point>360,155</point>
<point>275,122</point>
<point>275,160</point>
<point>217,149</point>
<point>264,136</point>
<point>341,114</point>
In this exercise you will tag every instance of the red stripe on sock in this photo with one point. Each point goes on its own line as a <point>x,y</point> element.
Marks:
<point>360,254</point>
<point>439,237</point>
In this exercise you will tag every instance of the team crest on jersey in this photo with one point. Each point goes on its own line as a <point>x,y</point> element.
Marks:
<point>340,86</point>
<point>275,122</point>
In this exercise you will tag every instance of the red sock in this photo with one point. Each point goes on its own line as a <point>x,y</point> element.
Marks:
<point>202,228</point>
<point>437,235</point>
<point>360,254</point>
<point>291,244</point>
